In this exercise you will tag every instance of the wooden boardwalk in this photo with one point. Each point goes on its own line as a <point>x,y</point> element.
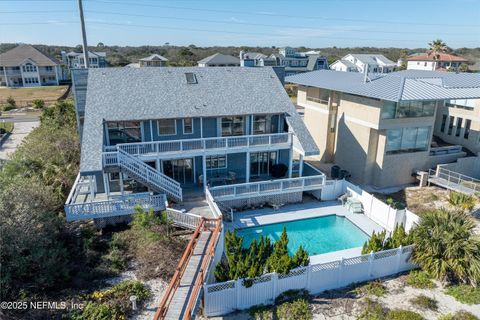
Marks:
<point>182,295</point>
<point>462,188</point>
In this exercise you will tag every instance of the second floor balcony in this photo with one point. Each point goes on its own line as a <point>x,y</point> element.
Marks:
<point>206,146</point>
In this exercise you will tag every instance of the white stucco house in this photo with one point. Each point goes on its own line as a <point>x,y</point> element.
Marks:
<point>377,63</point>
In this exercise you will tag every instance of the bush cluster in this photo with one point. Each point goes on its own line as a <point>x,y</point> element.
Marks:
<point>380,241</point>
<point>260,257</point>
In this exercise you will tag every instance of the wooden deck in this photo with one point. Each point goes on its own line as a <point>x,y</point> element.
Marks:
<point>183,293</point>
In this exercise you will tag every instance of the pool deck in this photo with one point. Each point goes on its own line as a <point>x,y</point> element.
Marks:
<point>305,210</point>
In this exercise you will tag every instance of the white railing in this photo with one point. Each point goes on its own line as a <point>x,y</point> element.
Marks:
<point>205,144</point>
<point>317,100</point>
<point>110,159</point>
<point>215,206</point>
<point>265,187</point>
<point>183,219</point>
<point>454,180</point>
<point>113,207</point>
<point>225,297</point>
<point>148,175</point>
<point>436,151</point>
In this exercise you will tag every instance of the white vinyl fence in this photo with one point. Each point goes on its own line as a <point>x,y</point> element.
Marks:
<point>226,297</point>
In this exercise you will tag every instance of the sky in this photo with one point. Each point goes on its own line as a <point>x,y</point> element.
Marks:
<point>309,23</point>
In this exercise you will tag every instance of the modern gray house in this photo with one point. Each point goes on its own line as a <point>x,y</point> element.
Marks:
<point>147,132</point>
<point>219,60</point>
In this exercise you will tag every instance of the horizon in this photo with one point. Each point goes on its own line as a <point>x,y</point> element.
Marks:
<point>210,23</point>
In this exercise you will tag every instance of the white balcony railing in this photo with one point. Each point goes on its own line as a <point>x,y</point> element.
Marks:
<point>317,100</point>
<point>206,144</point>
<point>267,187</point>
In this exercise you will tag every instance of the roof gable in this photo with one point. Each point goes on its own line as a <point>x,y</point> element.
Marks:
<point>19,54</point>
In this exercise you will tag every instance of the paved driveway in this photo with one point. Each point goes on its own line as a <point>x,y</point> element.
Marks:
<point>20,131</point>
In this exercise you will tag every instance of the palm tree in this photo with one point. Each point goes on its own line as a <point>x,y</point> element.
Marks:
<point>446,248</point>
<point>436,47</point>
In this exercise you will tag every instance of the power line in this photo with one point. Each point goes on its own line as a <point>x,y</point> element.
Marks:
<point>283,15</point>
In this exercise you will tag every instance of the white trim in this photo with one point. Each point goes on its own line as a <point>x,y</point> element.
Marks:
<point>168,134</point>
<point>201,127</point>
<point>361,122</point>
<point>183,127</point>
<point>151,130</point>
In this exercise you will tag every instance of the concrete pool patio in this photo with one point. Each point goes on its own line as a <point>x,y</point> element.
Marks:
<point>306,210</point>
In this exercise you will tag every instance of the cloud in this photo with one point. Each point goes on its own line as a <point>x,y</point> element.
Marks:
<point>237,20</point>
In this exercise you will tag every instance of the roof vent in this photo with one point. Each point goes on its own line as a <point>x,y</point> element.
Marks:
<point>191,78</point>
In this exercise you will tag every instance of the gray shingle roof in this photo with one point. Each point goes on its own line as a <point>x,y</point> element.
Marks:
<point>19,54</point>
<point>115,94</point>
<point>396,86</point>
<point>219,58</point>
<point>154,57</point>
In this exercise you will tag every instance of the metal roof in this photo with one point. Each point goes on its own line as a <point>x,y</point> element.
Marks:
<point>372,59</point>
<point>115,94</point>
<point>219,58</point>
<point>395,86</point>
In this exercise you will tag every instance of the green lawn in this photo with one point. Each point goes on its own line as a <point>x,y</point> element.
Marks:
<point>8,126</point>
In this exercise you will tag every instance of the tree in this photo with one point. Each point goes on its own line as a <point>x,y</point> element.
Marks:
<point>100,45</point>
<point>436,47</point>
<point>446,248</point>
<point>463,67</point>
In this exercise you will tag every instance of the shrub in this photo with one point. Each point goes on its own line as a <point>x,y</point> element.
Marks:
<point>380,241</point>
<point>424,302</point>
<point>375,288</point>
<point>261,312</point>
<point>9,107</point>
<point>375,243</point>
<point>461,201</point>
<point>395,204</point>
<point>420,279</point>
<point>298,309</point>
<point>372,310</point>
<point>11,102</point>
<point>446,248</point>
<point>460,315</point>
<point>464,293</point>
<point>38,103</point>
<point>398,314</point>
<point>97,311</point>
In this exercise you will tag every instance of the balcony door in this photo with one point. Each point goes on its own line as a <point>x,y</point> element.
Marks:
<point>180,170</point>
<point>262,162</point>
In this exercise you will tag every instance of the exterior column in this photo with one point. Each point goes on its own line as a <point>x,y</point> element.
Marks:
<point>121,182</point>
<point>300,168</point>
<point>92,187</point>
<point>106,184</point>
<point>204,167</point>
<point>290,163</point>
<point>5,74</point>
<point>201,127</point>
<point>247,167</point>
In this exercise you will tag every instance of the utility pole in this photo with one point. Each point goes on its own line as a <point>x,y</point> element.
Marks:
<point>84,35</point>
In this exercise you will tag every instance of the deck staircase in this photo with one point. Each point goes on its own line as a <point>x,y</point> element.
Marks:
<point>145,174</point>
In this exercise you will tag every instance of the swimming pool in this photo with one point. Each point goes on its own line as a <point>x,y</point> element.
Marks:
<point>316,235</point>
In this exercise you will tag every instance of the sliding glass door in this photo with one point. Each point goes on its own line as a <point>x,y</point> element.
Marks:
<point>180,170</point>
<point>262,162</point>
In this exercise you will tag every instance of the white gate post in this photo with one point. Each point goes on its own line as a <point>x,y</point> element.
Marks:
<point>399,258</point>
<point>275,286</point>
<point>238,284</point>
<point>340,274</point>
<point>309,277</point>
<point>370,264</point>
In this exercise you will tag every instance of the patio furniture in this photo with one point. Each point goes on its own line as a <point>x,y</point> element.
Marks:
<point>354,206</point>
<point>344,197</point>
<point>232,177</point>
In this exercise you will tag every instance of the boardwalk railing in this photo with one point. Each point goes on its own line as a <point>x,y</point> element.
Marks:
<point>182,265</point>
<point>225,297</point>
<point>252,189</point>
<point>454,180</point>
<point>205,144</point>
<point>183,219</point>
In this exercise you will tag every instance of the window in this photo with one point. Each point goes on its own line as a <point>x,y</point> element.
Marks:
<point>459,127</point>
<point>187,126</point>
<point>49,68</point>
<point>408,109</point>
<point>466,133</point>
<point>124,132</point>
<point>29,68</point>
<point>216,162</point>
<point>407,140</point>
<point>444,122</point>
<point>260,124</point>
<point>191,78</point>
<point>262,162</point>
<point>167,127</point>
<point>450,125</point>
<point>232,126</point>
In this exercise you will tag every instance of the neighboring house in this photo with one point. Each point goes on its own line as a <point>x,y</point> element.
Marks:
<point>26,66</point>
<point>154,60</point>
<point>75,60</point>
<point>219,60</point>
<point>380,127</point>
<point>178,130</point>
<point>256,59</point>
<point>435,62</point>
<point>299,62</point>
<point>458,123</point>
<point>377,63</point>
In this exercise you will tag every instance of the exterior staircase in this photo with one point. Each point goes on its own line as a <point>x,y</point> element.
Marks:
<point>145,174</point>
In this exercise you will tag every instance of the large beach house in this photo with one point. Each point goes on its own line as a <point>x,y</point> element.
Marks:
<point>380,127</point>
<point>174,131</point>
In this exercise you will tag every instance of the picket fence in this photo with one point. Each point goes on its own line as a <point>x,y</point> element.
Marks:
<point>226,297</point>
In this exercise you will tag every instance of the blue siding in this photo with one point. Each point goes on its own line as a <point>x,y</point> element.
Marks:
<point>179,135</point>
<point>209,127</point>
<point>283,156</point>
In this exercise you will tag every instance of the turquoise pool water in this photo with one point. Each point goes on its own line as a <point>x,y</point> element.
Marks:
<point>316,235</point>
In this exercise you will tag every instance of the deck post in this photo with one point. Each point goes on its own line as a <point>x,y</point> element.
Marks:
<point>290,162</point>
<point>204,165</point>
<point>106,184</point>
<point>247,167</point>
<point>300,168</point>
<point>121,182</point>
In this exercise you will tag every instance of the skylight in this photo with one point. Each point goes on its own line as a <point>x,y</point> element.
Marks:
<point>191,78</point>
